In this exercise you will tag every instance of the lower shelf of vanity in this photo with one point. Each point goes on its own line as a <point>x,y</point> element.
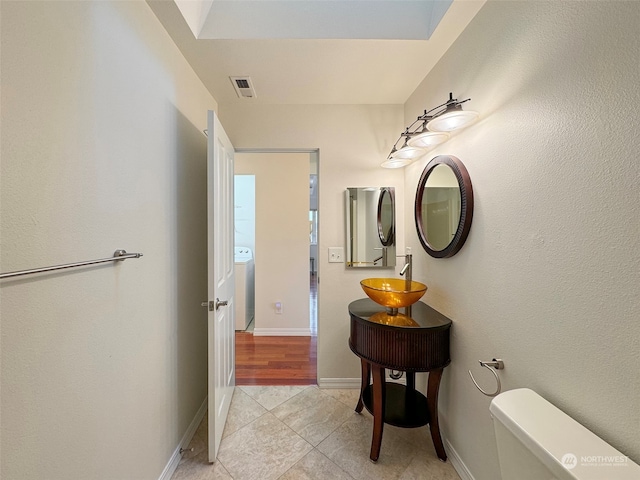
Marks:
<point>402,407</point>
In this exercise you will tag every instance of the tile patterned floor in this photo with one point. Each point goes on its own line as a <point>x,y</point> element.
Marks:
<point>305,433</point>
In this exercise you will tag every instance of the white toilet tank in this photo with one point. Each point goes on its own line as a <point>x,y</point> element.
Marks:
<point>536,441</point>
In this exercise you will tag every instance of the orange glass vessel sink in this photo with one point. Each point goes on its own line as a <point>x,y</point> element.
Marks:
<point>393,292</point>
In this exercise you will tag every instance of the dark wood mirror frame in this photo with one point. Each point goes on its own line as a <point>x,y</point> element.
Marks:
<point>386,237</point>
<point>466,205</point>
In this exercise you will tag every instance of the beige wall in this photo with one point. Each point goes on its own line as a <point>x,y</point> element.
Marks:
<point>352,140</point>
<point>282,240</point>
<point>103,368</point>
<point>548,279</point>
<point>101,149</point>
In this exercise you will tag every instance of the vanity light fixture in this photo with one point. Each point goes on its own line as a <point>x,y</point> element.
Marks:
<point>428,139</point>
<point>453,118</point>
<point>434,130</point>
<point>396,162</point>
<point>406,152</point>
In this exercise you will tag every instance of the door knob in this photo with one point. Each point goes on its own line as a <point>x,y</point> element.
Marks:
<point>215,305</point>
<point>221,303</point>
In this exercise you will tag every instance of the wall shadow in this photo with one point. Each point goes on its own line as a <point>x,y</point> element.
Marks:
<point>189,284</point>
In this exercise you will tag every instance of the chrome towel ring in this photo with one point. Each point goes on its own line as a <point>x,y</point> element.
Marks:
<point>497,364</point>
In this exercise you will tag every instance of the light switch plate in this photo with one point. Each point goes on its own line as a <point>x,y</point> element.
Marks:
<point>336,254</point>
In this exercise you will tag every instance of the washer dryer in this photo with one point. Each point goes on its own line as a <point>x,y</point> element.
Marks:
<point>245,287</point>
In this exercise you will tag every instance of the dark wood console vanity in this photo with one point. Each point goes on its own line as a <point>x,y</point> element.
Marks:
<point>419,343</point>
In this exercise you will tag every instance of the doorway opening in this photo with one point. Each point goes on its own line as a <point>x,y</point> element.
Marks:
<point>244,207</point>
<point>280,345</point>
<point>313,243</point>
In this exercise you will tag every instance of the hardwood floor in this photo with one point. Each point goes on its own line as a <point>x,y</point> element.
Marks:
<point>279,360</point>
<point>275,360</point>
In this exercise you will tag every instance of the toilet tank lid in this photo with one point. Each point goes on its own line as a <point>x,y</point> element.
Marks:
<point>551,435</point>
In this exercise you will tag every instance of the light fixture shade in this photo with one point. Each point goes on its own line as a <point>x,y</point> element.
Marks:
<point>396,162</point>
<point>428,139</point>
<point>407,152</point>
<point>452,120</point>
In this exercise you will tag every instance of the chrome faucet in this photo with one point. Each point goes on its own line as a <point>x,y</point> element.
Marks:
<point>382,257</point>
<point>407,269</point>
<point>407,272</point>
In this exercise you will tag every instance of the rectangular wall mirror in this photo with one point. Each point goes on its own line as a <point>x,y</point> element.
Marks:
<point>371,227</point>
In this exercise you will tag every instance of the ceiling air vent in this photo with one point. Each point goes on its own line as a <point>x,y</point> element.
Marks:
<point>244,87</point>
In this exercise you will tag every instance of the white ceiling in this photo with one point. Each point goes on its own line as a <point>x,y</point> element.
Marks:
<point>383,66</point>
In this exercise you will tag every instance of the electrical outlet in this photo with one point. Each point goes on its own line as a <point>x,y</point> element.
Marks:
<point>336,254</point>
<point>278,308</point>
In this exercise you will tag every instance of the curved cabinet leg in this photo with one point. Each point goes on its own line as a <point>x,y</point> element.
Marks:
<point>432,401</point>
<point>364,382</point>
<point>379,390</point>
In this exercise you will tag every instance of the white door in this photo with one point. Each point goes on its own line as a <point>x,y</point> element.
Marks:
<point>221,287</point>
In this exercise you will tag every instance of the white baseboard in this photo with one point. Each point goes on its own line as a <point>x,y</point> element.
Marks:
<point>282,332</point>
<point>351,382</point>
<point>457,462</point>
<point>170,469</point>
<point>339,383</point>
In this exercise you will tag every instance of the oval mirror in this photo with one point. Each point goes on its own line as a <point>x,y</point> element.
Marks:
<point>386,220</point>
<point>444,206</point>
